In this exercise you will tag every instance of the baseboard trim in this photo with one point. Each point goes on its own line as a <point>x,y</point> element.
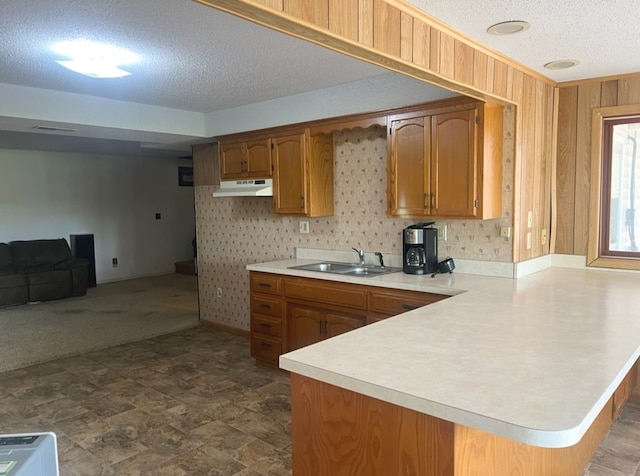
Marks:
<point>225,328</point>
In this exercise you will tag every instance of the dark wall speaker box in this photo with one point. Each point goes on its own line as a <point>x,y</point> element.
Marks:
<point>82,247</point>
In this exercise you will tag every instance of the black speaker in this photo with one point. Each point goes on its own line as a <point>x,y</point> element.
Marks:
<point>82,247</point>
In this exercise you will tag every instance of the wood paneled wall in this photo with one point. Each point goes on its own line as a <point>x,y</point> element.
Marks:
<point>402,38</point>
<point>576,103</point>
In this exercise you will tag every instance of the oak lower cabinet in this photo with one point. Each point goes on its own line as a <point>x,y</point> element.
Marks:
<point>291,312</point>
<point>385,303</point>
<point>268,332</point>
<point>623,392</point>
<point>245,159</point>
<point>333,428</point>
<point>308,325</point>
<point>446,161</point>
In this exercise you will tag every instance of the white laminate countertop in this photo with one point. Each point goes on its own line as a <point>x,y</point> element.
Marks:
<point>532,359</point>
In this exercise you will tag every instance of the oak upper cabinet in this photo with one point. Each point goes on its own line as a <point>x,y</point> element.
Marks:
<point>303,174</point>
<point>446,161</point>
<point>245,159</point>
<point>408,171</point>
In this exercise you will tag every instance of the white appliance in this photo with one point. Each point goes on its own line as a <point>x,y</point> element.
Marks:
<point>29,454</point>
<point>245,188</point>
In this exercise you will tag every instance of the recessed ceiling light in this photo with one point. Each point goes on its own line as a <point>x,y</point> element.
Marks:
<point>508,27</point>
<point>97,60</point>
<point>561,64</point>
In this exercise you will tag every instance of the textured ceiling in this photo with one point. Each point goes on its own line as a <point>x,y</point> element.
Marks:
<point>197,59</point>
<point>193,57</point>
<point>601,35</point>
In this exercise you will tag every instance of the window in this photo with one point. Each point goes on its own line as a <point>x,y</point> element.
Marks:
<point>614,235</point>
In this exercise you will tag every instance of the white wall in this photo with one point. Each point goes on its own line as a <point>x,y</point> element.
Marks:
<point>377,93</point>
<point>54,195</point>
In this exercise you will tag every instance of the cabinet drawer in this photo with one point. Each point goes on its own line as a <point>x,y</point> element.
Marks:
<point>396,302</point>
<point>340,294</point>
<point>266,325</point>
<point>265,283</point>
<point>266,305</point>
<point>266,348</point>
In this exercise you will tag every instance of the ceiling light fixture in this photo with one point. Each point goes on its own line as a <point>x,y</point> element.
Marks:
<point>96,60</point>
<point>561,64</point>
<point>508,27</point>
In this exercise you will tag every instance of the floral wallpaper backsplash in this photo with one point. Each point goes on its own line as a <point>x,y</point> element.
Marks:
<point>233,232</point>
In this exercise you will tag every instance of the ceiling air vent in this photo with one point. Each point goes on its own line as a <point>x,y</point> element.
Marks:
<point>53,129</point>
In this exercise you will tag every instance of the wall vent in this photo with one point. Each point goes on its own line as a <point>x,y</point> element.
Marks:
<point>53,129</point>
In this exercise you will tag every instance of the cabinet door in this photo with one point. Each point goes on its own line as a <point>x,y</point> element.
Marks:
<point>232,161</point>
<point>259,158</point>
<point>396,301</point>
<point>289,187</point>
<point>408,171</point>
<point>336,324</point>
<point>306,326</point>
<point>454,165</point>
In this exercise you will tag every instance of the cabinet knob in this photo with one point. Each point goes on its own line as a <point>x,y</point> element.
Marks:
<point>265,345</point>
<point>264,324</point>
<point>265,306</point>
<point>409,307</point>
<point>264,285</point>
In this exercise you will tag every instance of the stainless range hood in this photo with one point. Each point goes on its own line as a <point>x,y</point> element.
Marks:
<point>245,188</point>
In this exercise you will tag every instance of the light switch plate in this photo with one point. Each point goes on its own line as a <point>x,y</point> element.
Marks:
<point>304,226</point>
<point>442,232</point>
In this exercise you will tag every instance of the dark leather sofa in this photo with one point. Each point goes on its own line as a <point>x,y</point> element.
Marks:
<point>40,270</point>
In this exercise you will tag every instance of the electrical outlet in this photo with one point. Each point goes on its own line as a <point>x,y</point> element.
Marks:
<point>158,216</point>
<point>505,231</point>
<point>304,226</point>
<point>543,237</point>
<point>219,292</point>
<point>529,240</point>
<point>529,219</point>
<point>114,262</point>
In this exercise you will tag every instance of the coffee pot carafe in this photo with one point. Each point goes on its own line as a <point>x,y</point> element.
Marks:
<point>420,249</point>
<point>415,256</point>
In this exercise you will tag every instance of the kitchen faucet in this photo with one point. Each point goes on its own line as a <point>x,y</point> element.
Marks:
<point>360,255</point>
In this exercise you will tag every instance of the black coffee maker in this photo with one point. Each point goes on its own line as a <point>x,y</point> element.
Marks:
<point>420,249</point>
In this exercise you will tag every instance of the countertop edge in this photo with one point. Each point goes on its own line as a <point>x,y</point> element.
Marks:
<point>548,438</point>
<point>530,436</point>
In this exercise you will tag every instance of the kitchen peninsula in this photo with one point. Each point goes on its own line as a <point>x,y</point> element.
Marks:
<point>505,377</point>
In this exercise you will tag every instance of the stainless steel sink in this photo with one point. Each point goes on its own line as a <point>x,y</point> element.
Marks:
<point>349,269</point>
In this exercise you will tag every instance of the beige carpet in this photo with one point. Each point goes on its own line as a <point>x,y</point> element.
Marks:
<point>110,314</point>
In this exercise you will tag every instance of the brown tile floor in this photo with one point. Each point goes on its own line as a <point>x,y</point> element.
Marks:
<point>190,403</point>
<point>619,452</point>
